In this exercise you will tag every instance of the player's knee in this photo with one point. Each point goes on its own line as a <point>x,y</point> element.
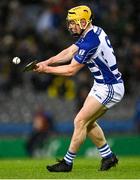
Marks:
<point>79,123</point>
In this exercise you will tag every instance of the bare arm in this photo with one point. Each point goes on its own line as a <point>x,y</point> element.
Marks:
<point>64,56</point>
<point>64,70</point>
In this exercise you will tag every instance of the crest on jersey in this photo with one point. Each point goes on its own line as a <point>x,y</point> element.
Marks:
<point>81,52</point>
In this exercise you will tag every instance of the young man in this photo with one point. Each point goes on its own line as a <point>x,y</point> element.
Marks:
<point>94,50</point>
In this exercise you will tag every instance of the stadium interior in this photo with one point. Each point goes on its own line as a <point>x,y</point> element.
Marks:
<point>37,30</point>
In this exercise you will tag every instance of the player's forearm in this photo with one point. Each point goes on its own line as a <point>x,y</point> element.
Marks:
<point>63,57</point>
<point>64,70</point>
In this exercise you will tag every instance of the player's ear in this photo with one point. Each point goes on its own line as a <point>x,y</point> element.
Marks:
<point>83,23</point>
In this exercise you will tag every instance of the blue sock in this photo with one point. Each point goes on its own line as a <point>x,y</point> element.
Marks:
<point>105,151</point>
<point>69,157</point>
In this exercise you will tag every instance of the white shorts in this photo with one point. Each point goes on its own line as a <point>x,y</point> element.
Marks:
<point>106,94</point>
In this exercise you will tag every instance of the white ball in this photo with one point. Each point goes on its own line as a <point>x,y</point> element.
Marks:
<point>16,60</point>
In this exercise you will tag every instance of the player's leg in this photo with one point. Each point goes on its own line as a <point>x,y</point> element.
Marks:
<point>102,94</point>
<point>81,122</point>
<point>96,134</point>
<point>99,97</point>
<point>94,131</point>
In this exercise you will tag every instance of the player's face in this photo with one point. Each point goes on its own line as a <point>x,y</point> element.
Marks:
<point>74,28</point>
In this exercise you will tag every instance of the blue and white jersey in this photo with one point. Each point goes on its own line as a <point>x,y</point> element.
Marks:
<point>96,52</point>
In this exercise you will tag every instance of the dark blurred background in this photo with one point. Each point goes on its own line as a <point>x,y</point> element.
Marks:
<point>37,30</point>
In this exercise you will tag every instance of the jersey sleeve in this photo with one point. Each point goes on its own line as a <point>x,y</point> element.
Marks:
<point>87,47</point>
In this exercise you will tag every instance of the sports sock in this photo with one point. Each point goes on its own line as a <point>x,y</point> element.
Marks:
<point>105,151</point>
<point>69,157</point>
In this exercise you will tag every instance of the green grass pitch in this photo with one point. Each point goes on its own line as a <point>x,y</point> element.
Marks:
<point>84,168</point>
